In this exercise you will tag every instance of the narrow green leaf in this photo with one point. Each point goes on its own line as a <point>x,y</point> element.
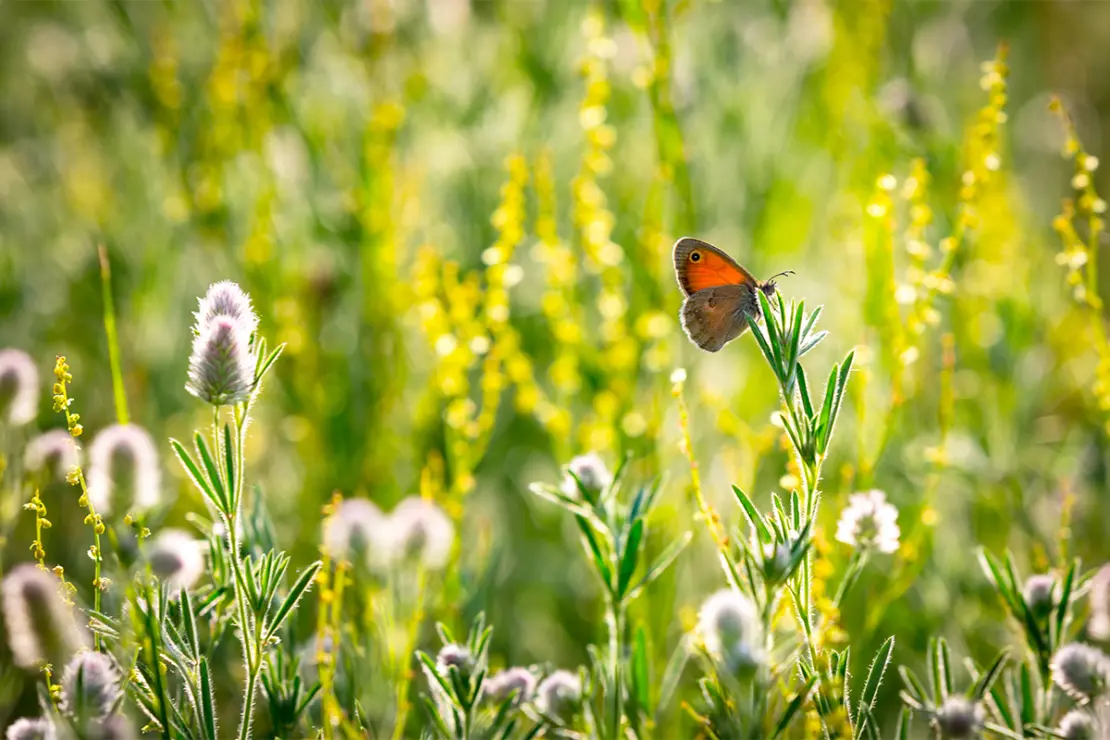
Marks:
<point>762,341</point>
<point>641,676</point>
<point>905,719</point>
<point>661,563</point>
<point>207,702</point>
<point>672,674</point>
<point>803,391</point>
<point>300,587</point>
<point>910,701</point>
<point>824,419</point>
<point>811,322</point>
<point>229,466</point>
<point>875,674</point>
<point>269,362</point>
<point>773,335</point>
<point>194,474</point>
<point>989,676</point>
<point>189,622</point>
<point>1028,703</point>
<point>755,519</point>
<point>913,684</point>
<point>793,708</point>
<point>214,476</point>
<point>602,566</point>
<point>629,557</point>
<point>811,343</point>
<point>943,662</point>
<point>1003,732</point>
<point>1062,608</point>
<point>432,672</point>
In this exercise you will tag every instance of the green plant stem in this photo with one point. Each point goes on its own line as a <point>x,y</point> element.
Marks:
<point>252,653</point>
<point>615,618</point>
<point>404,677</point>
<point>118,391</point>
<point>245,623</point>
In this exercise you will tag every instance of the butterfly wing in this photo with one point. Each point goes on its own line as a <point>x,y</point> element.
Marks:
<point>715,316</point>
<point>699,265</point>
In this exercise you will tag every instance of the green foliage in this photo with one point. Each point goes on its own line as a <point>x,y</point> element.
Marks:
<point>454,220</point>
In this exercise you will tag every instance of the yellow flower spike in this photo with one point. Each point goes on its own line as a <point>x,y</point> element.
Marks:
<point>1079,256</point>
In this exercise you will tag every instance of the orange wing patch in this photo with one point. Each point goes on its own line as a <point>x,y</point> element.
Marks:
<point>699,265</point>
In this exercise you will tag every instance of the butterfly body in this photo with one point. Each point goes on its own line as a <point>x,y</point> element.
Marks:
<point>720,293</point>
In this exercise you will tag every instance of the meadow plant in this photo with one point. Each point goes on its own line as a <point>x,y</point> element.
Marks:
<point>52,454</point>
<point>123,452</point>
<point>41,627</point>
<point>90,687</point>
<point>19,387</point>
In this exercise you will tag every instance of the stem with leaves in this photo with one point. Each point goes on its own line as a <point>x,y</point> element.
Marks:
<point>220,478</point>
<point>613,535</point>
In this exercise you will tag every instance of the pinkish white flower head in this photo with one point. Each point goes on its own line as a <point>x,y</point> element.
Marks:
<point>869,522</point>
<point>1099,626</point>
<point>959,718</point>
<point>116,727</point>
<point>124,454</point>
<point>1078,725</point>
<point>591,472</point>
<point>1039,594</point>
<point>176,558</point>
<point>501,686</point>
<point>221,366</point>
<point>420,530</point>
<point>226,299</point>
<point>559,695</point>
<point>454,656</point>
<point>90,686</point>
<point>19,387</point>
<point>1082,671</point>
<point>727,619</point>
<point>357,531</point>
<point>41,626</point>
<point>55,452</point>
<point>26,728</point>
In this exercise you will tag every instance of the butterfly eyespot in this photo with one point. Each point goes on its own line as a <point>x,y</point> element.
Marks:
<point>695,256</point>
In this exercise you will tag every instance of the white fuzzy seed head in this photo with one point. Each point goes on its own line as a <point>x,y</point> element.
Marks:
<point>1099,626</point>
<point>501,686</point>
<point>226,299</point>
<point>591,472</point>
<point>116,727</point>
<point>176,558</point>
<point>454,656</point>
<point>41,627</point>
<point>727,619</point>
<point>26,728</point>
<point>559,695</point>
<point>869,522</point>
<point>90,686</point>
<point>124,450</point>
<point>959,718</point>
<point>1078,725</point>
<point>1039,594</point>
<point>221,366</point>
<point>356,532</point>
<point>54,453</point>
<point>1082,671</point>
<point>420,530</point>
<point>19,387</point>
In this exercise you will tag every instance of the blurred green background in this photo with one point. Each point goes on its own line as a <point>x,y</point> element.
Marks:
<point>343,160</point>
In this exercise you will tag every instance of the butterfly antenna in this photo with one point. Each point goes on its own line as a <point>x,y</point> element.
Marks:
<point>784,273</point>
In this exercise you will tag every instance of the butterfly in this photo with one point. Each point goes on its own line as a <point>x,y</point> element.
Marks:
<point>720,294</point>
